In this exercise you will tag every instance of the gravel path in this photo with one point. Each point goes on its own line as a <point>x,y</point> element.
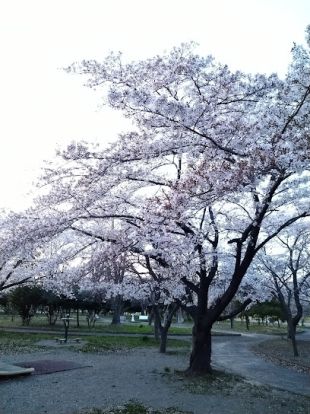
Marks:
<point>113,378</point>
<point>139,374</point>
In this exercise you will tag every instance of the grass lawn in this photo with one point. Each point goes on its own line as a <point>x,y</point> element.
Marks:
<point>11,342</point>
<point>104,326</point>
<point>114,343</point>
<point>240,326</point>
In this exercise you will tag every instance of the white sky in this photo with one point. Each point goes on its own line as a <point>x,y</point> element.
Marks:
<point>42,106</point>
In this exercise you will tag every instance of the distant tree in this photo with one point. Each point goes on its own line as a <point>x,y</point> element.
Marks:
<point>267,311</point>
<point>26,300</point>
<point>230,312</point>
<point>102,274</point>
<point>52,304</point>
<point>289,273</point>
<point>4,302</point>
<point>93,302</point>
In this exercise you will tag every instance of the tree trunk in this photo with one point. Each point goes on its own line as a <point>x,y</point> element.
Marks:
<point>163,340</point>
<point>180,317</point>
<point>163,328</point>
<point>291,334</point>
<point>231,323</point>
<point>200,359</point>
<point>151,317</point>
<point>247,321</point>
<point>156,329</point>
<point>294,345</point>
<point>77,318</point>
<point>52,314</point>
<point>117,307</point>
<point>116,318</point>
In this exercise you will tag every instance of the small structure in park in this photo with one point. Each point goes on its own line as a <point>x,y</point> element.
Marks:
<point>10,370</point>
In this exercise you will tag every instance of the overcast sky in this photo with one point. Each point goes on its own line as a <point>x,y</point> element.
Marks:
<point>43,107</point>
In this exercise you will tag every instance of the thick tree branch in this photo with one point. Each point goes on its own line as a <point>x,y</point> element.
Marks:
<point>190,285</point>
<point>236,312</point>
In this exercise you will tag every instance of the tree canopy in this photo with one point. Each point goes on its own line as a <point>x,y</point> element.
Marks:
<point>214,168</point>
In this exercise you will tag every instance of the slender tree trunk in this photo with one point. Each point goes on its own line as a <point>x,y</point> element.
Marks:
<point>156,329</point>
<point>151,317</point>
<point>180,317</point>
<point>163,340</point>
<point>231,323</point>
<point>247,321</point>
<point>77,318</point>
<point>200,359</point>
<point>163,327</point>
<point>290,320</point>
<point>52,315</point>
<point>117,307</point>
<point>294,345</point>
<point>291,334</point>
<point>49,316</point>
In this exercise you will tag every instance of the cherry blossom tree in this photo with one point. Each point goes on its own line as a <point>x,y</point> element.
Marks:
<point>161,296</point>
<point>289,275</point>
<point>107,269</point>
<point>17,256</point>
<point>213,170</point>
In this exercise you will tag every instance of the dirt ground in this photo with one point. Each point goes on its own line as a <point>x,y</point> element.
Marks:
<point>143,375</point>
<point>279,351</point>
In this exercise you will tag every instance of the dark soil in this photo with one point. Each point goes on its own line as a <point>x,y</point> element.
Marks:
<point>280,351</point>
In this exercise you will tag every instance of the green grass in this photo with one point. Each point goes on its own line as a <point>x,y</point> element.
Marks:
<point>115,343</point>
<point>142,328</point>
<point>240,326</point>
<point>105,326</point>
<point>26,342</point>
<point>19,342</point>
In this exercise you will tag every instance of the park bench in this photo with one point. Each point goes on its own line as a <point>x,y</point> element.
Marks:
<point>60,340</point>
<point>63,341</point>
<point>143,318</point>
